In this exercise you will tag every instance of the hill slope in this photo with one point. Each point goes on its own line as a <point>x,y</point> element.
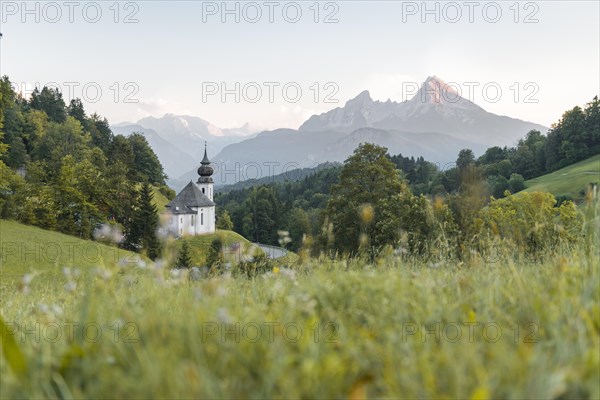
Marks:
<point>234,246</point>
<point>160,200</point>
<point>28,249</point>
<point>570,181</point>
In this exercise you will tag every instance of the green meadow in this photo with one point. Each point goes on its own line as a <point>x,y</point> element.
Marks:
<point>571,181</point>
<point>352,328</point>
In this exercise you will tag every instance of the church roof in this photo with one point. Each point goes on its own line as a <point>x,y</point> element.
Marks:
<point>190,196</point>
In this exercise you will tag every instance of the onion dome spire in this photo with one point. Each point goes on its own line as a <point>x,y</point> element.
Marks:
<point>205,171</point>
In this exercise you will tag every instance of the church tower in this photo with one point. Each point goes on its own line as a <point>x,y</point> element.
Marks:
<point>192,211</point>
<point>205,181</point>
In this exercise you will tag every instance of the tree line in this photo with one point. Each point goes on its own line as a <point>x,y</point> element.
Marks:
<point>64,170</point>
<point>575,137</point>
<point>333,206</point>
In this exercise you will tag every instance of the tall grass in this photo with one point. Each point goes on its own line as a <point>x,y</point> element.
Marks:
<point>397,327</point>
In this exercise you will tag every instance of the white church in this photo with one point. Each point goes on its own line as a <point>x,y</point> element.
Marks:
<point>192,211</point>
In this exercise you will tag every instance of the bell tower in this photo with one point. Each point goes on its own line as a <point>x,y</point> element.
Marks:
<point>205,182</point>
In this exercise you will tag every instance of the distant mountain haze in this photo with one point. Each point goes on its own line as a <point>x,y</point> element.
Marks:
<point>436,124</point>
<point>178,140</point>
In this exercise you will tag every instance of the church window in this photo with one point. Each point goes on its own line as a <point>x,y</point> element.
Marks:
<point>201,219</point>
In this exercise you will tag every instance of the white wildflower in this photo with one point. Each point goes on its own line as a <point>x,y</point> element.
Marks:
<point>56,310</point>
<point>70,286</point>
<point>27,278</point>
<point>223,316</point>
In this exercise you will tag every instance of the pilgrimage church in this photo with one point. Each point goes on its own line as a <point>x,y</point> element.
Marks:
<point>192,211</point>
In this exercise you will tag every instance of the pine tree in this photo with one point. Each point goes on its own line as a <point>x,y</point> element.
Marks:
<point>142,233</point>
<point>215,254</point>
<point>224,222</point>
<point>145,161</point>
<point>184,260</point>
<point>50,101</point>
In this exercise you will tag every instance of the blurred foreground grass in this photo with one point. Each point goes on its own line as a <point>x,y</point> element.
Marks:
<point>322,330</point>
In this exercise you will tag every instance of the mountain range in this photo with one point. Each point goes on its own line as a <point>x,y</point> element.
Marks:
<point>436,107</point>
<point>435,123</point>
<point>178,140</point>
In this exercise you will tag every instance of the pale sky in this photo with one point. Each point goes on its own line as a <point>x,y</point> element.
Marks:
<point>176,57</point>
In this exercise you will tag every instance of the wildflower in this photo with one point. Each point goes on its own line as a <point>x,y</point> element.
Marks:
<point>367,213</point>
<point>56,310</point>
<point>195,274</point>
<point>109,233</point>
<point>71,272</point>
<point>363,240</point>
<point>480,393</point>
<point>70,286</point>
<point>290,273</point>
<point>24,284</point>
<point>472,316</point>
<point>43,308</point>
<point>27,278</point>
<point>284,238</point>
<point>159,264</point>
<point>275,270</point>
<point>224,316</point>
<point>438,203</point>
<point>104,274</point>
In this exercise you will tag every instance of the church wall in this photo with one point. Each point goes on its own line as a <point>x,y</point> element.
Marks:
<point>206,215</point>
<point>207,189</point>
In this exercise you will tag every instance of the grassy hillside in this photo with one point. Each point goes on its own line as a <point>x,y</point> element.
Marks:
<point>233,243</point>
<point>27,249</point>
<point>570,181</point>
<point>160,201</point>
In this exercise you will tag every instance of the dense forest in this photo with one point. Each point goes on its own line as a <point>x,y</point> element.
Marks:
<point>300,207</point>
<point>64,170</point>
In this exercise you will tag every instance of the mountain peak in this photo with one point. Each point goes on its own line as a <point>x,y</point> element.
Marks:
<point>362,99</point>
<point>435,79</point>
<point>435,91</point>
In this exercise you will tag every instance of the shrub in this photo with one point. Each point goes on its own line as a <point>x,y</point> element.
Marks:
<point>530,223</point>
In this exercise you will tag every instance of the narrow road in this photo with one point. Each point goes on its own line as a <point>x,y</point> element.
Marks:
<point>272,252</point>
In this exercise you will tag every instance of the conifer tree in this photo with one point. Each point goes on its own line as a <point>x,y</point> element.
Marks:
<point>184,260</point>
<point>142,233</point>
<point>224,222</point>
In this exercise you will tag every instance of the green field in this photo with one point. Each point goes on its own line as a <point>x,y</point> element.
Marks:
<point>27,249</point>
<point>323,329</point>
<point>571,181</point>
